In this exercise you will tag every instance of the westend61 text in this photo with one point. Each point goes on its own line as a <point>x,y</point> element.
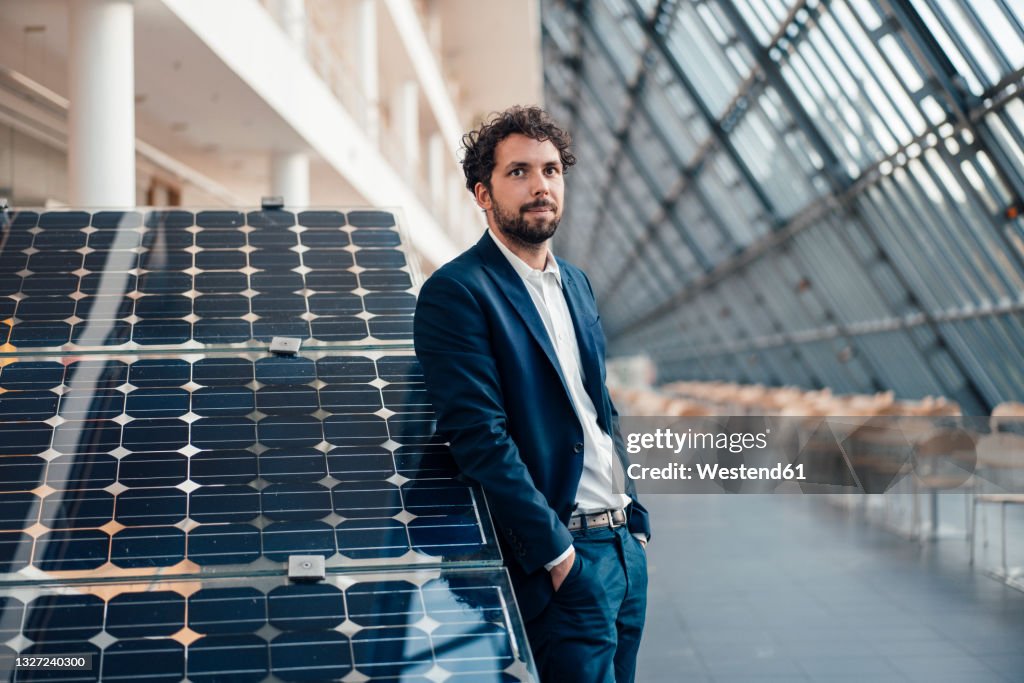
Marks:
<point>708,472</point>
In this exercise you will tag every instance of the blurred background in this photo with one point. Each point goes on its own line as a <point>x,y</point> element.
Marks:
<point>786,207</point>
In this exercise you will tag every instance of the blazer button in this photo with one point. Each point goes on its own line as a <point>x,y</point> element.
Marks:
<point>578,448</point>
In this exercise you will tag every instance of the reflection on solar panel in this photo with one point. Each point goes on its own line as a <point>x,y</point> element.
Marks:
<point>145,429</point>
<point>409,626</point>
<point>73,280</point>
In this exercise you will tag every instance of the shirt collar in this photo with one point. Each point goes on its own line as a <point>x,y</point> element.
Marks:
<point>525,270</point>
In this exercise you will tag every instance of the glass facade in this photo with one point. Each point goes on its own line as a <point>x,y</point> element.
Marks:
<point>801,192</point>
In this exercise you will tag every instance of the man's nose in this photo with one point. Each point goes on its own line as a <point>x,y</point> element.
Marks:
<point>541,185</point>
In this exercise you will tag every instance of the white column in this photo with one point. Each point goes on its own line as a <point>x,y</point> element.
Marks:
<point>405,125</point>
<point>437,159</point>
<point>367,61</point>
<point>289,177</point>
<point>101,115</point>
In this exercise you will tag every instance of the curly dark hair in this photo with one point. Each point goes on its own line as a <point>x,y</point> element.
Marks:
<point>533,122</point>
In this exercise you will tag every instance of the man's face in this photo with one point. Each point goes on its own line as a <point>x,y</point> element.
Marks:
<point>525,198</point>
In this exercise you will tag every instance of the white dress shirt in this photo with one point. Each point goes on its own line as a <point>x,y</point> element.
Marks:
<point>595,492</point>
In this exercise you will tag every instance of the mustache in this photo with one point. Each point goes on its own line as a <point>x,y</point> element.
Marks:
<point>539,205</point>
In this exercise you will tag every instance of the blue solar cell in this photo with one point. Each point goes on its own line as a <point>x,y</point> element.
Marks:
<point>290,431</point>
<point>385,280</point>
<point>111,333</point>
<point>22,438</point>
<point>223,400</point>
<point>278,305</point>
<point>384,603</point>
<point>29,405</point>
<point>169,219</point>
<point>274,259</point>
<point>376,238</point>
<point>331,281</point>
<point>83,471</point>
<point>273,239</point>
<point>154,661</point>
<point>224,504</point>
<point>141,547</point>
<point>155,434</point>
<point>103,307</point>
<point>391,327</point>
<point>112,261</point>
<point>96,374</point>
<point>221,283</point>
<point>26,375</point>
<point>353,430</point>
<point>278,399</point>
<point>18,510</point>
<point>360,463</point>
<point>284,370</point>
<point>249,660</point>
<point>153,469</point>
<point>371,219</point>
<point>111,239</point>
<point>40,334</point>
<point>311,656</point>
<point>321,219</point>
<point>87,436</point>
<point>448,536</point>
<point>116,219</point>
<point>144,615</point>
<point>92,283</point>
<point>290,464</point>
<point>158,331</point>
<point>7,307</point>
<point>222,371</point>
<point>55,618</point>
<point>270,219</point>
<point>226,610</point>
<point>159,372</point>
<point>335,304</point>
<point>392,303</point>
<point>345,370</point>
<point>21,472</point>
<point>168,260</point>
<point>64,219</point>
<point>91,404</point>
<point>265,330</point>
<point>165,283</point>
<point>221,331</point>
<point>71,550</point>
<point>164,402</point>
<point>294,502</point>
<point>324,239</point>
<point>480,649</point>
<point>9,284</point>
<point>220,259</point>
<point>339,329</point>
<point>223,432</point>
<point>380,258</point>
<point>59,239</point>
<point>282,539</point>
<point>366,499</point>
<point>76,509</point>
<point>151,506</point>
<point>350,398</point>
<point>220,544</point>
<point>223,467</point>
<point>11,611</point>
<point>327,259</point>
<point>12,555</point>
<point>222,305</point>
<point>372,539</point>
<point>220,219</point>
<point>163,306</point>
<point>301,607</point>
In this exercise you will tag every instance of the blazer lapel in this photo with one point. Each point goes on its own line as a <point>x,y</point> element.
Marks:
<point>512,287</point>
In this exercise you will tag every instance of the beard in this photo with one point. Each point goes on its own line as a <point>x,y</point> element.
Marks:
<point>524,227</point>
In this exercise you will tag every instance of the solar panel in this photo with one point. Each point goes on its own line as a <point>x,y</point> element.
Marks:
<point>74,280</point>
<point>147,431</point>
<point>118,463</point>
<point>412,626</point>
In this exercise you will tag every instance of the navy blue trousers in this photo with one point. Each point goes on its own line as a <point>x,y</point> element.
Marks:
<point>590,631</point>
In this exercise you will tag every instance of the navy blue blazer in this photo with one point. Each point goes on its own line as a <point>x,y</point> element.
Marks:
<point>503,405</point>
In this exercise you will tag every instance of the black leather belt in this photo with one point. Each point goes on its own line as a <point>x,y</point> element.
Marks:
<point>608,518</point>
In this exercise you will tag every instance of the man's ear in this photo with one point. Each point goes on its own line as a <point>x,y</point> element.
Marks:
<point>482,196</point>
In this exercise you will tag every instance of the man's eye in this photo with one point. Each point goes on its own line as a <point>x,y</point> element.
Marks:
<point>516,172</point>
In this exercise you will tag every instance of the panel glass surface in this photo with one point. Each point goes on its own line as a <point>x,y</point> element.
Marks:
<point>409,626</point>
<point>119,465</point>
<point>75,280</point>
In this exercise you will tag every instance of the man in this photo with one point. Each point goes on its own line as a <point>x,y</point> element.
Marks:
<point>513,352</point>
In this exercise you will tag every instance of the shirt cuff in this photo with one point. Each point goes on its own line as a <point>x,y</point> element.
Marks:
<point>642,538</point>
<point>551,565</point>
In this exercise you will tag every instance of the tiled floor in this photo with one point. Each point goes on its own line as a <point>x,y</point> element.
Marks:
<point>780,588</point>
